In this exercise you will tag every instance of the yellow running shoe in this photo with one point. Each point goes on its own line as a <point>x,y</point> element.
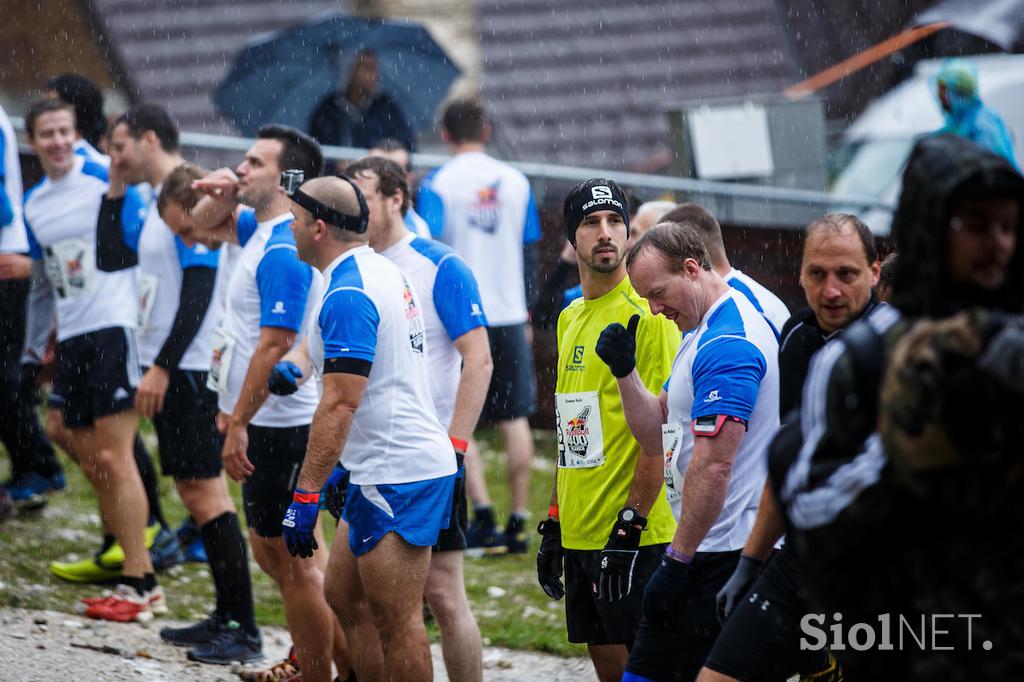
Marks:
<point>102,567</point>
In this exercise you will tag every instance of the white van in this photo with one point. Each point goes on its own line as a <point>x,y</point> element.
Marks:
<point>875,147</point>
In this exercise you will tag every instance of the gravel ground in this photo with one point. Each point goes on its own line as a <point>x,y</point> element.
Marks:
<point>48,645</point>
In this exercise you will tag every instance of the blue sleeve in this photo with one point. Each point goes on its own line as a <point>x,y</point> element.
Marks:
<point>991,133</point>
<point>196,256</point>
<point>34,250</point>
<point>531,230</point>
<point>246,225</point>
<point>283,282</point>
<point>6,207</point>
<point>727,374</point>
<point>457,298</point>
<point>348,325</point>
<point>430,206</point>
<point>133,216</point>
<point>570,295</point>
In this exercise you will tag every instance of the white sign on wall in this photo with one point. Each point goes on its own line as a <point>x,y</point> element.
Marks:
<point>731,142</point>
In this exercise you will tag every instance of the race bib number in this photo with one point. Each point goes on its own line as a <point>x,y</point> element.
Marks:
<point>71,267</point>
<point>220,363</point>
<point>147,296</point>
<point>671,441</point>
<point>580,438</point>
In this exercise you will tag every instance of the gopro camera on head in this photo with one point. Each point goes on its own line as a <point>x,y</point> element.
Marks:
<point>291,180</point>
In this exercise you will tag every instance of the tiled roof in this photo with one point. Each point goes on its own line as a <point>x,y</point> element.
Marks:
<point>176,53</point>
<point>586,83</point>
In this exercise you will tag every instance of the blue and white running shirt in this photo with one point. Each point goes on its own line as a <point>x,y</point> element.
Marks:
<point>61,216</point>
<point>451,306</point>
<point>162,258</point>
<point>763,300</point>
<point>484,209</point>
<point>370,314</point>
<point>269,287</point>
<point>13,238</point>
<point>728,366</point>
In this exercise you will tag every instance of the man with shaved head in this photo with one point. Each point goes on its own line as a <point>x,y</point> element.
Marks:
<point>763,300</point>
<point>368,347</point>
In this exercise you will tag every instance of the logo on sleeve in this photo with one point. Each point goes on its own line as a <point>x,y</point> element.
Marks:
<point>475,310</point>
<point>278,308</point>
<point>712,396</point>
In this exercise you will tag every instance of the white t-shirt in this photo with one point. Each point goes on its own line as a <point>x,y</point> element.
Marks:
<point>269,287</point>
<point>451,306</point>
<point>728,366</point>
<point>13,238</point>
<point>484,209</point>
<point>763,300</point>
<point>162,259</point>
<point>370,314</point>
<point>61,220</point>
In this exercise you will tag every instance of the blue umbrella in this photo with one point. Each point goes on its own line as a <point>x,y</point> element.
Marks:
<point>281,77</point>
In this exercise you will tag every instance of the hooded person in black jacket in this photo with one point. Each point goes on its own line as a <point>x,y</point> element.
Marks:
<point>904,498</point>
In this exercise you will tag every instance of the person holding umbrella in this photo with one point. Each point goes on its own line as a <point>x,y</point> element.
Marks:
<point>360,115</point>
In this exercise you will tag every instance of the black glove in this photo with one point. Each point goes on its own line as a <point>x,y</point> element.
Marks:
<point>29,379</point>
<point>617,347</point>
<point>332,497</point>
<point>618,559</point>
<point>665,593</point>
<point>736,588</point>
<point>549,558</point>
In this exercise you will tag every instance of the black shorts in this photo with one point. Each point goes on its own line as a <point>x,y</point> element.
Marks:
<point>96,376</point>
<point>594,621</point>
<point>453,538</point>
<point>512,391</point>
<point>190,444</point>
<point>276,456</point>
<point>678,654</point>
<point>761,639</point>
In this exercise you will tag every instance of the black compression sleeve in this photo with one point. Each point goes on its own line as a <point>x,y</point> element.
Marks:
<point>548,304</point>
<point>348,366</point>
<point>531,265</point>
<point>112,253</point>
<point>196,294</point>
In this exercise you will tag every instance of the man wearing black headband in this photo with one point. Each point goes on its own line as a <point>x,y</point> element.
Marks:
<point>368,347</point>
<point>608,523</point>
<point>270,296</point>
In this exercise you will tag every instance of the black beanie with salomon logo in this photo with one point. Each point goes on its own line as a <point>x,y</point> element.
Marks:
<point>596,194</point>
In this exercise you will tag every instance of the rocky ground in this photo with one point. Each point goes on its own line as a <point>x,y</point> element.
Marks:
<point>49,645</point>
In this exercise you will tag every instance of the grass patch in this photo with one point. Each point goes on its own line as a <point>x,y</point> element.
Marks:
<point>510,607</point>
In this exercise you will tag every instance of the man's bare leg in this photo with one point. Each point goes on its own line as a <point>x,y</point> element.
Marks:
<point>107,459</point>
<point>344,591</point>
<point>460,636</point>
<point>519,448</point>
<point>394,574</point>
<point>305,610</point>
<point>609,661</point>
<point>476,482</point>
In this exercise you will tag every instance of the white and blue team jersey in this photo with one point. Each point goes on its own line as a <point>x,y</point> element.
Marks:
<point>269,287</point>
<point>61,216</point>
<point>13,238</point>
<point>763,300</point>
<point>90,153</point>
<point>451,306</point>
<point>728,366</point>
<point>484,209</point>
<point>162,259</point>
<point>416,223</point>
<point>370,313</point>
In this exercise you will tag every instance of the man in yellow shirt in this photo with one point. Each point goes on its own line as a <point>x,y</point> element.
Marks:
<point>609,521</point>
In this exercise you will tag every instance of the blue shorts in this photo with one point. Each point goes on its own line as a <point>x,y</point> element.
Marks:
<point>417,511</point>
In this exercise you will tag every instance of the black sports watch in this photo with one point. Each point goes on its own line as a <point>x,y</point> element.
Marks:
<point>631,517</point>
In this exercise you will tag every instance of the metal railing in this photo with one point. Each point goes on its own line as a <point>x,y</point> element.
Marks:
<point>735,203</point>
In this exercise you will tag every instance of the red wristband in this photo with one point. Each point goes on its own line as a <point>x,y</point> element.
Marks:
<point>305,498</point>
<point>459,445</point>
<point>553,511</point>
